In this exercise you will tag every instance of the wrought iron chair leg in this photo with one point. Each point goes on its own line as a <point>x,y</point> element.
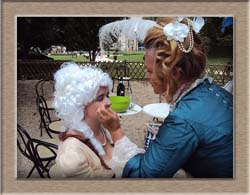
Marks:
<point>31,171</point>
<point>41,129</point>
<point>46,127</point>
<point>47,130</point>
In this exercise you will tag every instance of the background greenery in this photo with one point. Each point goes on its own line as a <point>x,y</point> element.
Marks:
<point>137,57</point>
<point>81,34</point>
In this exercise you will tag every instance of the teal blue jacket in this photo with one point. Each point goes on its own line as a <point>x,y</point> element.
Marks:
<point>196,136</point>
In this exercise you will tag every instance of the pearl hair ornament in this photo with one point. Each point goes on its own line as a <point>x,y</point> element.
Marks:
<point>178,31</point>
<point>191,40</point>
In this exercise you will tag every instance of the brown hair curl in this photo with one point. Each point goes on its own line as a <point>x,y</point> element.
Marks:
<point>168,58</point>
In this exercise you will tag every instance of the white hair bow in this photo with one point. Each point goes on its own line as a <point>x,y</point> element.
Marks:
<point>178,31</point>
<point>197,24</point>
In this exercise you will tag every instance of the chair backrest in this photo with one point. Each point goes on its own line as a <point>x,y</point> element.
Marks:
<point>45,88</point>
<point>22,142</point>
<point>43,110</point>
<point>47,114</point>
<point>122,71</point>
<point>42,162</point>
<point>30,148</point>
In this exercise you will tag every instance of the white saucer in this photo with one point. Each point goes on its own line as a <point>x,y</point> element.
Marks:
<point>158,110</point>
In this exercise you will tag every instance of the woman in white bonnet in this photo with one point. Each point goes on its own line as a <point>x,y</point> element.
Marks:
<point>85,147</point>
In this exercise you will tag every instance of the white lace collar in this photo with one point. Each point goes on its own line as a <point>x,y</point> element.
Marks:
<point>177,97</point>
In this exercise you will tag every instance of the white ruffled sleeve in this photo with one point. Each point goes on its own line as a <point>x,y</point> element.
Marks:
<point>123,150</point>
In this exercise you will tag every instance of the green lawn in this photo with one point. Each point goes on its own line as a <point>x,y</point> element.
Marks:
<point>131,56</point>
<point>138,56</point>
<point>135,57</point>
<point>79,58</point>
<point>219,60</point>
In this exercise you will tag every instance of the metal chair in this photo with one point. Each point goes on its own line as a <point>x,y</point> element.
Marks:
<point>39,152</point>
<point>44,99</point>
<point>45,118</point>
<point>45,88</point>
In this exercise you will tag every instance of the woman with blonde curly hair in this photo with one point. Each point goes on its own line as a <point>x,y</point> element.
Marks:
<point>197,135</point>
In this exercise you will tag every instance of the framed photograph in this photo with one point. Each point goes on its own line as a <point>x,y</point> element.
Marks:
<point>20,105</point>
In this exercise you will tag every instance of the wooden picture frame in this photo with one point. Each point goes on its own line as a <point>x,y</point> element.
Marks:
<point>238,9</point>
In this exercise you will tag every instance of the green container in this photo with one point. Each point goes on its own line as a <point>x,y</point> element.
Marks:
<point>119,103</point>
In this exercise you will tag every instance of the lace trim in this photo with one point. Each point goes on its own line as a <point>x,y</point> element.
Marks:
<point>179,94</point>
<point>123,150</point>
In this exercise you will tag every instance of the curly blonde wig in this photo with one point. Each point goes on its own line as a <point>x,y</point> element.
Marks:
<point>168,58</point>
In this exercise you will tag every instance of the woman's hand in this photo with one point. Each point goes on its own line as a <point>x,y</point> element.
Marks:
<point>109,119</point>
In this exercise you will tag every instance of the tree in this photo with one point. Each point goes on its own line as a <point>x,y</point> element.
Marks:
<point>36,32</point>
<point>76,33</point>
<point>219,42</point>
<point>81,33</point>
